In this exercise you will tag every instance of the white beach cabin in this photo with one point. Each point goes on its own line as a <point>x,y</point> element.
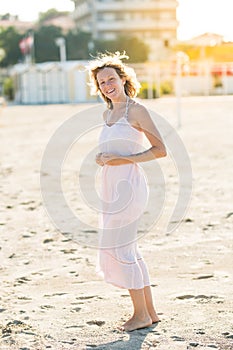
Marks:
<point>52,82</point>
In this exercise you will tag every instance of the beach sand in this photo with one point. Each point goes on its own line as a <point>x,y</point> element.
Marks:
<point>51,297</point>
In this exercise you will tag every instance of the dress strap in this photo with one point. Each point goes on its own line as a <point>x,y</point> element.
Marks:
<point>127,107</point>
<point>108,115</point>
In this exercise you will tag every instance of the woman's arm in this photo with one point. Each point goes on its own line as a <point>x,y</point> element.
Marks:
<point>143,122</point>
<point>146,125</point>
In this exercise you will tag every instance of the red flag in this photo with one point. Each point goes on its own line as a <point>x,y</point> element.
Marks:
<point>26,44</point>
<point>23,46</point>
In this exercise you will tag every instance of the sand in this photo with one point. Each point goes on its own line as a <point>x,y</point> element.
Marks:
<point>51,297</point>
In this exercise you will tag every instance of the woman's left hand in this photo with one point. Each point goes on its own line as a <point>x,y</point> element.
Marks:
<point>98,159</point>
<point>112,159</point>
<point>108,157</point>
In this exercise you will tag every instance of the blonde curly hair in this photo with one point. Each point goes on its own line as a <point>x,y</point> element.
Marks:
<point>113,60</point>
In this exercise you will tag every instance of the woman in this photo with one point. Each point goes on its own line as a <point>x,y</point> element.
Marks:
<point>124,188</point>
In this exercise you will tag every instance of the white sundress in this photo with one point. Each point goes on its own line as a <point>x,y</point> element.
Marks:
<point>124,194</point>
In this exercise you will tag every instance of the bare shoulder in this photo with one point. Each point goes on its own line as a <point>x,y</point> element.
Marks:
<point>137,107</point>
<point>138,114</point>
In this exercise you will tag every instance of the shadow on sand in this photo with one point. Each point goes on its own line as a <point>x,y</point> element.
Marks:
<point>135,341</point>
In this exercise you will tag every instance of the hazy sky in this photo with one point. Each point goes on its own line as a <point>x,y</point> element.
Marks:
<point>195,16</point>
<point>200,16</point>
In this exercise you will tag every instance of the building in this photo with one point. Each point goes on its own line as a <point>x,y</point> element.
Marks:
<point>153,21</point>
<point>206,39</point>
<point>20,26</point>
<point>65,22</point>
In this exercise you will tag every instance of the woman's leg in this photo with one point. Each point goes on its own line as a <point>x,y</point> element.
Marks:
<point>149,304</point>
<point>141,318</point>
<point>147,289</point>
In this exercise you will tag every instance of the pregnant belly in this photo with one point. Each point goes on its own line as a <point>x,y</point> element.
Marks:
<point>124,191</point>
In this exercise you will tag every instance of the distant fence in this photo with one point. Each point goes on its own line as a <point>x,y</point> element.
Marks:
<point>194,78</point>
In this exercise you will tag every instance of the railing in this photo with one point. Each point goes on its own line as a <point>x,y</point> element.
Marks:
<point>194,78</point>
<point>135,24</point>
<point>127,5</point>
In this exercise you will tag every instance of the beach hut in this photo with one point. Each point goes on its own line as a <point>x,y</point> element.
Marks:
<point>77,79</point>
<point>52,82</point>
<point>27,79</point>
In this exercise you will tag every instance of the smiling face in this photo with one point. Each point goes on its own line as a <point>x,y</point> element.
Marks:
<point>111,84</point>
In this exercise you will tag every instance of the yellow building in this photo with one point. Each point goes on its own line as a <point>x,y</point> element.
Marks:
<point>153,21</point>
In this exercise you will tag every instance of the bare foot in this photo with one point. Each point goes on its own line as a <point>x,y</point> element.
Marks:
<point>153,315</point>
<point>156,320</point>
<point>136,323</point>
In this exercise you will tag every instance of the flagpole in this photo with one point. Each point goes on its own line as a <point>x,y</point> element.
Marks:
<point>32,52</point>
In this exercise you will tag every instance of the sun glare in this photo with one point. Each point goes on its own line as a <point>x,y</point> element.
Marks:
<point>195,16</point>
<point>200,16</point>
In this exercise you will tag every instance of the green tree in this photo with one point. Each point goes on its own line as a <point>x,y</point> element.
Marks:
<point>44,43</point>
<point>50,14</point>
<point>77,45</point>
<point>6,16</point>
<point>8,88</point>
<point>136,49</point>
<point>9,42</point>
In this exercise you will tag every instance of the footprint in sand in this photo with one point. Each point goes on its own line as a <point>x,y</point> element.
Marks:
<point>228,335</point>
<point>194,345</point>
<point>177,338</point>
<point>17,327</point>
<point>48,240</point>
<point>29,205</point>
<point>21,280</point>
<point>86,297</point>
<point>45,307</point>
<point>68,251</point>
<point>95,322</point>
<point>200,296</point>
<point>185,296</point>
<point>76,309</point>
<point>202,277</point>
